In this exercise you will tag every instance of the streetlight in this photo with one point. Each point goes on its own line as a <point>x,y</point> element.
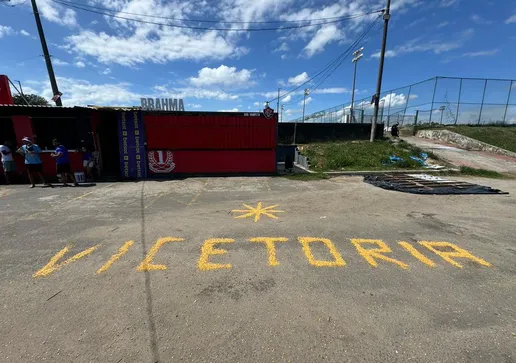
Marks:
<point>357,54</point>
<point>307,92</point>
<point>442,108</point>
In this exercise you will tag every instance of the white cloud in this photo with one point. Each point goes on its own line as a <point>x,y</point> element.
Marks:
<point>222,76</point>
<point>231,110</point>
<point>443,24</point>
<point>59,62</point>
<point>511,19</point>
<point>480,20</point>
<point>482,53</point>
<point>106,71</point>
<point>283,57</point>
<point>24,33</point>
<point>325,35</point>
<point>299,79</point>
<point>194,105</point>
<point>57,13</point>
<point>424,45</point>
<point>5,30</point>
<point>258,104</point>
<point>80,64</point>
<point>448,3</point>
<point>333,90</point>
<point>286,99</point>
<point>282,48</point>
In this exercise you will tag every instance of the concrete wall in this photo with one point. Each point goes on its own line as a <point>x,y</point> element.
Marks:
<point>462,141</point>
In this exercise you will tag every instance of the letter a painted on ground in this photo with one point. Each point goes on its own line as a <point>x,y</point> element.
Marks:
<point>54,265</point>
<point>456,252</point>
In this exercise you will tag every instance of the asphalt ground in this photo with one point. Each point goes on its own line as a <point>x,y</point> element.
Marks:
<point>164,272</point>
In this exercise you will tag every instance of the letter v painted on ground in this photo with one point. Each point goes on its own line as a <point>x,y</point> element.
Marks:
<point>54,264</point>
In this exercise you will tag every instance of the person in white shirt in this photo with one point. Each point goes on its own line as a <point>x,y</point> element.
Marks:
<point>7,160</point>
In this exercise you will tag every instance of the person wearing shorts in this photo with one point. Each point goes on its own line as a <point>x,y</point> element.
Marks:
<point>63,163</point>
<point>32,161</point>
<point>7,161</point>
<point>88,163</point>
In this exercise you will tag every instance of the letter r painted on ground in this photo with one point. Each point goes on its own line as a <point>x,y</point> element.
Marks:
<point>373,254</point>
<point>456,252</point>
<point>337,258</point>
<point>208,249</point>
<point>271,248</point>
<point>54,265</point>
<point>146,264</point>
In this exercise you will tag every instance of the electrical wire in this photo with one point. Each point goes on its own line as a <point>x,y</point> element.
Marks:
<point>66,2</point>
<point>326,72</point>
<point>289,27</point>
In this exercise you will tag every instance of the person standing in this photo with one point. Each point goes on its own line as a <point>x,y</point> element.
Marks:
<point>63,163</point>
<point>88,162</point>
<point>32,160</point>
<point>7,161</point>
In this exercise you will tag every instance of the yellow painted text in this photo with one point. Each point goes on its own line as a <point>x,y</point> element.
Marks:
<point>122,251</point>
<point>271,248</point>
<point>337,258</point>
<point>373,254</point>
<point>208,249</point>
<point>146,264</point>
<point>407,246</point>
<point>54,265</point>
<point>456,252</point>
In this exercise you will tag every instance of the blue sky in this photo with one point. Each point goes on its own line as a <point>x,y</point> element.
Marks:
<point>106,61</point>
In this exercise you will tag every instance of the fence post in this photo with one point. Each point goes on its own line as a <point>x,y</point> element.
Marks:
<point>362,116</point>
<point>415,123</point>
<point>482,104</point>
<point>406,103</point>
<point>507,104</point>
<point>433,99</point>
<point>458,102</point>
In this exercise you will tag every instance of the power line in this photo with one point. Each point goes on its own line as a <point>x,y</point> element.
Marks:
<point>289,27</point>
<point>65,2</point>
<point>332,64</point>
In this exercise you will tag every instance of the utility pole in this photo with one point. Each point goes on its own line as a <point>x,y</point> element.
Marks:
<point>282,109</point>
<point>307,92</point>
<point>357,54</point>
<point>386,17</point>
<point>51,75</point>
<point>277,107</point>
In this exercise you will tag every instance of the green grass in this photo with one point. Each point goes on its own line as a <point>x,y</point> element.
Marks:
<point>359,155</point>
<point>464,170</point>
<point>501,136</point>
<point>307,176</point>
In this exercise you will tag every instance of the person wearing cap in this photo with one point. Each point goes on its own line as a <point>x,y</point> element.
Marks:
<point>32,160</point>
<point>63,163</point>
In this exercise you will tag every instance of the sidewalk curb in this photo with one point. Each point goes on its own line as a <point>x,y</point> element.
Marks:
<point>396,171</point>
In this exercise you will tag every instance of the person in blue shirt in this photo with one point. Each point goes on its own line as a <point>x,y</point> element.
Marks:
<point>63,163</point>
<point>32,161</point>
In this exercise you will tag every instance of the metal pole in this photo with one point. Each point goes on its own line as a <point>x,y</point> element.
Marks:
<point>21,93</point>
<point>482,104</point>
<point>353,91</point>
<point>507,104</point>
<point>458,102</point>
<point>386,17</point>
<point>383,107</point>
<point>277,107</point>
<point>362,116</point>
<point>50,69</point>
<point>442,112</point>
<point>433,99</point>
<point>415,122</point>
<point>304,102</point>
<point>406,103</point>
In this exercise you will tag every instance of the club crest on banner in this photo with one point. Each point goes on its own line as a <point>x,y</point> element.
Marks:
<point>268,112</point>
<point>161,161</point>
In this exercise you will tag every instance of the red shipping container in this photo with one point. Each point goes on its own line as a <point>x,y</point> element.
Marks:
<point>211,162</point>
<point>210,131</point>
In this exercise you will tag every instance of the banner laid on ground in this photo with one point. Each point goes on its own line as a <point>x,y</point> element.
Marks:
<point>131,135</point>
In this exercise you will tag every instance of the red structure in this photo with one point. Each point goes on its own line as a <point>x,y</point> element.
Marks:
<point>5,91</point>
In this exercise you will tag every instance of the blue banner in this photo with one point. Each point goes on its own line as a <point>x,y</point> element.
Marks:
<point>131,137</point>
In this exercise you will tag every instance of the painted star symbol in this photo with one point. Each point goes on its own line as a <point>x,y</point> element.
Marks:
<point>257,212</point>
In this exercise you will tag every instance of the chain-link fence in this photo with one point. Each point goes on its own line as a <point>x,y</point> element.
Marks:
<point>439,100</point>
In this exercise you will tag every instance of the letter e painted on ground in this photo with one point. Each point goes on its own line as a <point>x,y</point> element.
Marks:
<point>271,248</point>
<point>452,251</point>
<point>373,254</point>
<point>146,264</point>
<point>54,265</point>
<point>414,252</point>
<point>208,249</point>
<point>337,258</point>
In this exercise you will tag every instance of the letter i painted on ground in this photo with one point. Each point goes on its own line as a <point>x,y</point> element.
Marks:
<point>122,251</point>
<point>54,265</point>
<point>373,254</point>
<point>447,251</point>
<point>337,258</point>
<point>414,252</point>
<point>271,248</point>
<point>146,264</point>
<point>208,249</point>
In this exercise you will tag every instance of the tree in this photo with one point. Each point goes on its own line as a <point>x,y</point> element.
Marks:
<point>31,98</point>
